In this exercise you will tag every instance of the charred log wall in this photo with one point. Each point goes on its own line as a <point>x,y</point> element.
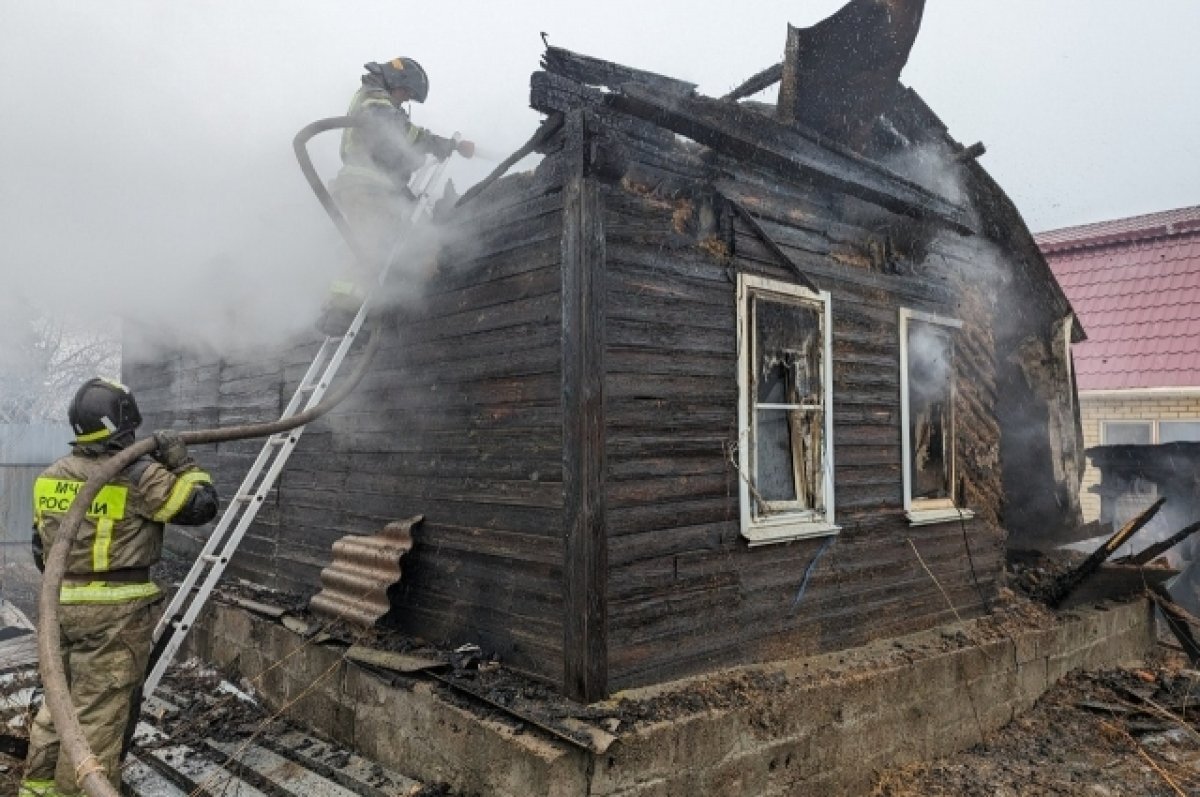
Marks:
<point>458,420</point>
<point>194,391</point>
<point>685,592</point>
<point>1042,449</point>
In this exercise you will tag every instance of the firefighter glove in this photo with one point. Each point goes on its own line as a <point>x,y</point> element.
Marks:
<point>172,452</point>
<point>443,148</point>
<point>466,149</point>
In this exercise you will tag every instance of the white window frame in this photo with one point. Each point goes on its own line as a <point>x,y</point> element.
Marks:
<point>1158,428</point>
<point>923,513</point>
<point>784,526</point>
<point>1129,422</point>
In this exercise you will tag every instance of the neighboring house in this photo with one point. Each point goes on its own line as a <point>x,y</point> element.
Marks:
<point>717,383</point>
<point>1135,284</point>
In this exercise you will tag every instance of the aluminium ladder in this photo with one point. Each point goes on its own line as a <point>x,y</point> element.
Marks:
<point>225,538</point>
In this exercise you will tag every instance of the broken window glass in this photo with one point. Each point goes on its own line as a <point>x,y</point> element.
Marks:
<point>930,402</point>
<point>788,393</point>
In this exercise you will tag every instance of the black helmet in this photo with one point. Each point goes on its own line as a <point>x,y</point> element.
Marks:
<point>402,73</point>
<point>103,411</point>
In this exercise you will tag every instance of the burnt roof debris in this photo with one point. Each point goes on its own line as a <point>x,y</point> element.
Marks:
<point>839,75</point>
<point>661,106</point>
<point>598,72</point>
<point>787,150</point>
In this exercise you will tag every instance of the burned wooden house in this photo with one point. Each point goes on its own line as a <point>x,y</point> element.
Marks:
<point>717,382</point>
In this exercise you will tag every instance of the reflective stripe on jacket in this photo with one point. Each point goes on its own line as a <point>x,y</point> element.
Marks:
<point>122,529</point>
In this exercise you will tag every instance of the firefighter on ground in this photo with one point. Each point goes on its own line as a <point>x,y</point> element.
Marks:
<point>108,604</point>
<point>379,156</point>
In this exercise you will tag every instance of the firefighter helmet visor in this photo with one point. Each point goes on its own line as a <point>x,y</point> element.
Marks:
<point>101,410</point>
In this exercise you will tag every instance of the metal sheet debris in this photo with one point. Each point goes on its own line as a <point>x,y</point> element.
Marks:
<point>392,660</point>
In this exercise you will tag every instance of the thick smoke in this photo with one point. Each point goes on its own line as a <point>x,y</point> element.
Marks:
<point>209,250</point>
<point>929,166</point>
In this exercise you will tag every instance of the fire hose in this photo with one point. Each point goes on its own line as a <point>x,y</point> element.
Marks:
<point>89,773</point>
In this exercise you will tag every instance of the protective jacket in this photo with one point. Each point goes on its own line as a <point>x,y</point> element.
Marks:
<point>122,534</point>
<point>387,147</point>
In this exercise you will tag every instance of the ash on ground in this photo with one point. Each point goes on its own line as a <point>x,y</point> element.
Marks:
<point>1107,734</point>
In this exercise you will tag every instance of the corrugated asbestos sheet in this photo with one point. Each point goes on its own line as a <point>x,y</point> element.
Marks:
<point>355,585</point>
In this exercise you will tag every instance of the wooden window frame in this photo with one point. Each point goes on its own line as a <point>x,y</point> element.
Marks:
<point>923,512</point>
<point>781,525</point>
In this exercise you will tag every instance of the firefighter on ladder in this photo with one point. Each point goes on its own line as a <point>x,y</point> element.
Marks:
<point>379,157</point>
<point>108,604</point>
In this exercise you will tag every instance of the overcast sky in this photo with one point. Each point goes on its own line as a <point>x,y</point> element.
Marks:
<point>147,145</point>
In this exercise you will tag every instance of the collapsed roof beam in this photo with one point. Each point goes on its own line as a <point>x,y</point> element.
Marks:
<point>598,72</point>
<point>756,83</point>
<point>787,150</point>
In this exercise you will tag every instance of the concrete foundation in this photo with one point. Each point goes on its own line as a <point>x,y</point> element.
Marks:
<point>822,725</point>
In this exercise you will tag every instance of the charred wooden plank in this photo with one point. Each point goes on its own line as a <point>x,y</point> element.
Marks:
<point>757,82</point>
<point>791,153</point>
<point>598,72</point>
<point>550,93</point>
<point>585,554</point>
<point>549,126</point>
<point>1116,581</point>
<point>823,270</point>
<point>769,242</point>
<point>1182,624</point>
<point>1159,548</point>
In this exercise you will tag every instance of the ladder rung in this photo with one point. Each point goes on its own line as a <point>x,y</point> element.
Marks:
<point>244,498</point>
<point>211,557</point>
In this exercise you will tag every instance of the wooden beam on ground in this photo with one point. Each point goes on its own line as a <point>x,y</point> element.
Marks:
<point>1182,624</point>
<point>585,555</point>
<point>788,150</point>
<point>1113,581</point>
<point>1071,580</point>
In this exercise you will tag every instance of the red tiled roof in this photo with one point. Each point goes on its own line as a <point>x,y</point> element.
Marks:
<point>1135,284</point>
<point>1134,228</point>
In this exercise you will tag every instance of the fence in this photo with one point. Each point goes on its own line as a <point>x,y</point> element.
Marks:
<point>25,451</point>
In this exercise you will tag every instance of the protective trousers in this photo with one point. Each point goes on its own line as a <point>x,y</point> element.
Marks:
<point>106,651</point>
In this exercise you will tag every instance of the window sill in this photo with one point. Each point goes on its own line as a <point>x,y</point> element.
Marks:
<point>927,517</point>
<point>772,533</point>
